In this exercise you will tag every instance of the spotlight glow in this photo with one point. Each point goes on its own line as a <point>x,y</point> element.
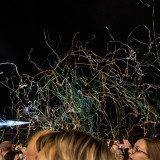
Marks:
<point>9,123</point>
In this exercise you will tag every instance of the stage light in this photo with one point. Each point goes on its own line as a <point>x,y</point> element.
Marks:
<point>11,123</point>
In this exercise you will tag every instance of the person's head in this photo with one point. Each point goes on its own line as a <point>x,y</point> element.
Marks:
<point>5,146</point>
<point>45,139</point>
<point>72,145</point>
<point>117,152</point>
<point>31,150</point>
<point>145,149</point>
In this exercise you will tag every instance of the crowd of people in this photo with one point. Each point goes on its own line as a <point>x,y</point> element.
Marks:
<point>76,145</point>
<point>8,151</point>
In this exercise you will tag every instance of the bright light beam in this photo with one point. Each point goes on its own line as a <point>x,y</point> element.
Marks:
<point>9,123</point>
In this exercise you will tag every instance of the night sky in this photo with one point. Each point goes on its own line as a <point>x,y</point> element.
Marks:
<point>22,26</point>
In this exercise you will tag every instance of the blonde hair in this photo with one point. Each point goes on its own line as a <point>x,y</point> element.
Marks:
<point>31,151</point>
<point>74,145</point>
<point>153,148</point>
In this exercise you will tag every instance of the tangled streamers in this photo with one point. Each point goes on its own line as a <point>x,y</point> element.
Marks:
<point>99,95</point>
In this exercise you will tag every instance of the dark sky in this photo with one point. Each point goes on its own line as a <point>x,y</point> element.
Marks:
<point>22,25</point>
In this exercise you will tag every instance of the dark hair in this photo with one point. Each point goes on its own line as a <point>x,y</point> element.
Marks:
<point>10,155</point>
